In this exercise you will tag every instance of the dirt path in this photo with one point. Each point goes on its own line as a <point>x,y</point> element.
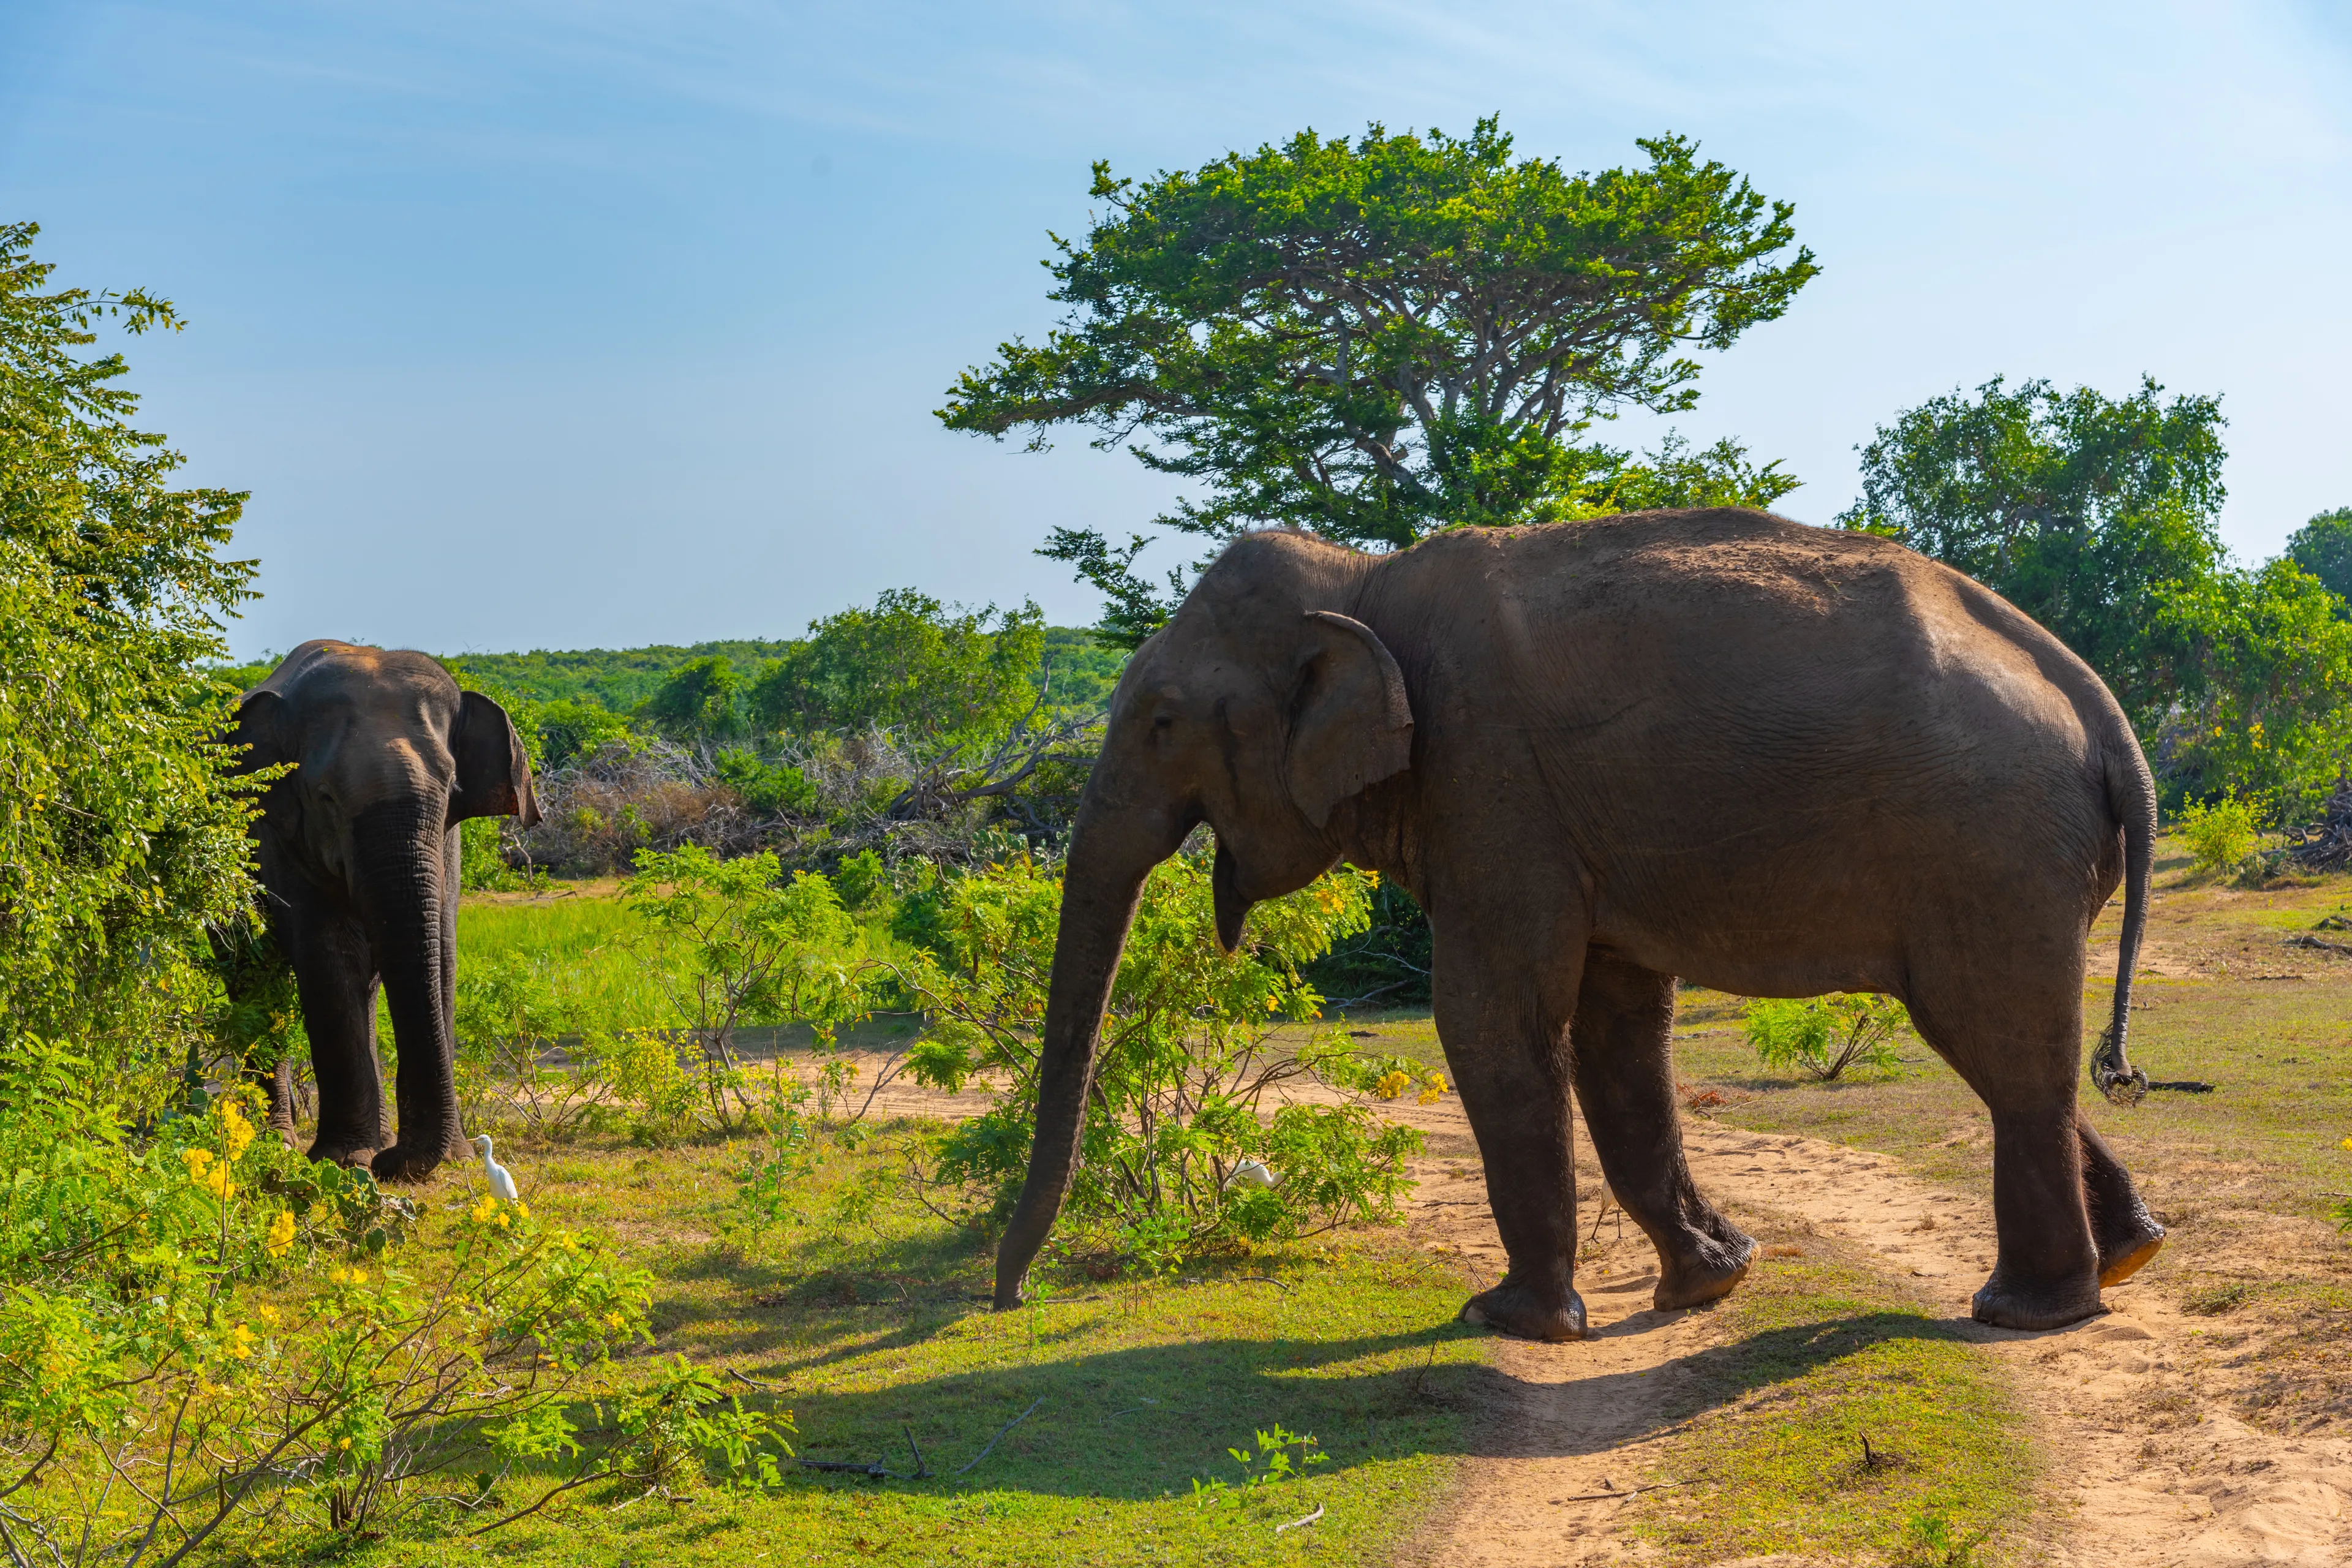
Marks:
<point>2152,1470</point>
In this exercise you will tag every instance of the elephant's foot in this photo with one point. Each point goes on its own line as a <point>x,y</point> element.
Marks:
<point>2007,1306</point>
<point>2129,1256</point>
<point>1707,1274</point>
<point>1526,1313</point>
<point>401,1164</point>
<point>2127,1242</point>
<point>342,1151</point>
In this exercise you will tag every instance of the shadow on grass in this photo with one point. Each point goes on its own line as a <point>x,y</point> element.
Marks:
<point>1136,1422</point>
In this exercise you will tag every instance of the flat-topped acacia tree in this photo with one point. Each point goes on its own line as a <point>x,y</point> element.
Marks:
<point>1382,337</point>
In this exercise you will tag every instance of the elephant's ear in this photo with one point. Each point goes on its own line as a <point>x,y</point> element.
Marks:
<point>262,730</point>
<point>1351,724</point>
<point>493,772</point>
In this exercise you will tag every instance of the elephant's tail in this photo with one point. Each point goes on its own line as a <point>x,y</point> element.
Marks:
<point>2131,796</point>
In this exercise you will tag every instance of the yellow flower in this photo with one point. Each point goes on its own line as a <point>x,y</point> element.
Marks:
<point>343,1442</point>
<point>522,1208</point>
<point>236,1133</point>
<point>502,1222</point>
<point>338,1275</point>
<point>2347,1142</point>
<point>1391,1085</point>
<point>240,1343</point>
<point>198,1161</point>
<point>214,1180</point>
<point>483,1211</point>
<point>613,1320</point>
<point>1432,1088</point>
<point>267,1313</point>
<point>1273,1003</point>
<point>281,1233</point>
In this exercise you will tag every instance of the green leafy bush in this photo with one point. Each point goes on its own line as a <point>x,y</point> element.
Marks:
<point>766,787</point>
<point>756,950</point>
<point>1190,1110</point>
<point>1825,1037</point>
<point>2221,833</point>
<point>203,1330</point>
<point>123,836</point>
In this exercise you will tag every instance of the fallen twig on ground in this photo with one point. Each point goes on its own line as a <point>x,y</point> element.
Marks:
<point>1295,1523</point>
<point>1001,1431</point>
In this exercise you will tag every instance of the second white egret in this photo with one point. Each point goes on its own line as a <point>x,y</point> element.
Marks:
<point>501,1179</point>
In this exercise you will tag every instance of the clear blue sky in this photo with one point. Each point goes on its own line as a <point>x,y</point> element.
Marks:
<point>578,323</point>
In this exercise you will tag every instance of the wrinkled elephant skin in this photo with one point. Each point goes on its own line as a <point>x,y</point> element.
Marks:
<point>357,853</point>
<point>1775,760</point>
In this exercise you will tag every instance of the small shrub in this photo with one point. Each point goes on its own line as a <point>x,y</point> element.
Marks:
<point>1825,1036</point>
<point>758,951</point>
<point>2219,835</point>
<point>1273,1464</point>
<point>1187,1084</point>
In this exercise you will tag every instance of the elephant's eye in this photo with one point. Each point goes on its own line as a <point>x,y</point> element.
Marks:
<point>1165,722</point>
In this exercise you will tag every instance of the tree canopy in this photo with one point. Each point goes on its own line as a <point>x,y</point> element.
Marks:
<point>2081,510</point>
<point>2323,547</point>
<point>1378,338</point>
<point>940,675</point>
<point>120,833</point>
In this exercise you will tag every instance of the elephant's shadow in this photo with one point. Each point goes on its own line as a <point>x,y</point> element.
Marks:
<point>1139,1421</point>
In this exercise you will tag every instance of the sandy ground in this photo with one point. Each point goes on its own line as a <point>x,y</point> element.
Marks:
<point>2149,1468</point>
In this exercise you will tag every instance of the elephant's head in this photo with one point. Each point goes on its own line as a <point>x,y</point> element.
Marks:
<point>388,757</point>
<point>1260,709</point>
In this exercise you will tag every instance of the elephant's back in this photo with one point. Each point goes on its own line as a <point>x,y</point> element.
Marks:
<point>1730,708</point>
<point>325,669</point>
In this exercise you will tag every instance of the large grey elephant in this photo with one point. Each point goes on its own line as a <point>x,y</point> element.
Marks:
<point>358,859</point>
<point>1774,759</point>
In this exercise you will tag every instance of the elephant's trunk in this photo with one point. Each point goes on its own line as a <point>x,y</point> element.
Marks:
<point>1111,852</point>
<point>403,866</point>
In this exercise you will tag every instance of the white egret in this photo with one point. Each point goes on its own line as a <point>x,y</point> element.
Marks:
<point>501,1180</point>
<point>1251,1173</point>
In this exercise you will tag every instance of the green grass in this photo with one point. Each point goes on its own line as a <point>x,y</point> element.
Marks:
<point>609,958</point>
<point>1824,1355</point>
<point>860,1308</point>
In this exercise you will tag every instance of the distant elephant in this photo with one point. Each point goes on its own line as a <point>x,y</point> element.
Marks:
<point>358,859</point>
<point>1775,760</point>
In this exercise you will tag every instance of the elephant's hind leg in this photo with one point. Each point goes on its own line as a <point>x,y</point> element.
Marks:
<point>2014,1031</point>
<point>2126,1235</point>
<point>1622,1041</point>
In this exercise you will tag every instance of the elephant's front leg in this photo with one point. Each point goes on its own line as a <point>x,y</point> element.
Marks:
<point>1624,1044</point>
<point>1506,1038</point>
<point>337,980</point>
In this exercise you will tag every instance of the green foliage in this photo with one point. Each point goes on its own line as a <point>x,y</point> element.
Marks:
<point>1388,963</point>
<point>1188,1085</point>
<point>205,1327</point>
<point>698,701</point>
<point>766,788</point>
<point>2262,701</point>
<point>612,680</point>
<point>755,949</point>
<point>121,837</point>
<point>569,731</point>
<point>1825,1036</point>
<point>1270,1465</point>
<point>942,677</point>
<point>2221,833</point>
<point>2323,547</point>
<point>1378,338</point>
<point>2086,512</point>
